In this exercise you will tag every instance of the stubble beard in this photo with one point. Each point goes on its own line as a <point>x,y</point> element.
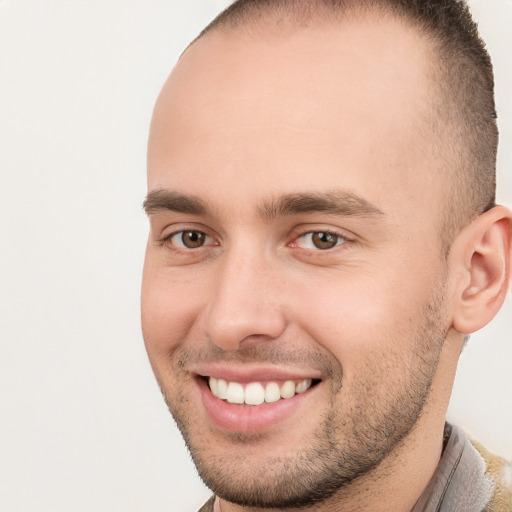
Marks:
<point>347,444</point>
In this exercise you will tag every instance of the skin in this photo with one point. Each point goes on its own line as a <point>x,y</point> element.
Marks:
<point>378,319</point>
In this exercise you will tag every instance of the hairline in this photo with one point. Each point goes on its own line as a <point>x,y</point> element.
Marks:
<point>460,203</point>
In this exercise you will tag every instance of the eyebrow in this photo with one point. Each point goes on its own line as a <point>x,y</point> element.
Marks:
<point>334,202</point>
<point>159,200</point>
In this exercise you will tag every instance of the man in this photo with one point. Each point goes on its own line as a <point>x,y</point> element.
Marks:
<point>323,240</point>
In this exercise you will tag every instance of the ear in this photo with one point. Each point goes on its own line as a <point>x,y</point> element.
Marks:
<point>480,263</point>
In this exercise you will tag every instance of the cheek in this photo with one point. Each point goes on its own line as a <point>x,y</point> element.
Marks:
<point>169,307</point>
<point>355,316</point>
<point>342,311</point>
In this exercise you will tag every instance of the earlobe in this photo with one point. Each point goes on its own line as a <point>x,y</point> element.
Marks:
<point>483,258</point>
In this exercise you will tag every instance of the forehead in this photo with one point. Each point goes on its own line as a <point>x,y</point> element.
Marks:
<point>248,115</point>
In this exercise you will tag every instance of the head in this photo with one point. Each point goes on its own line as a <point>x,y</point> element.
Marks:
<point>321,191</point>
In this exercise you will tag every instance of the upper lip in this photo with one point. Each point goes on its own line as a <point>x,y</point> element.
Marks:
<point>245,374</point>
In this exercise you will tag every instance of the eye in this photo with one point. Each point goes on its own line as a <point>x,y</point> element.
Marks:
<point>322,240</point>
<point>189,239</point>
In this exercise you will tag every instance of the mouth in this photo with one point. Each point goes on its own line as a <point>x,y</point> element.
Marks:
<point>257,393</point>
<point>249,403</point>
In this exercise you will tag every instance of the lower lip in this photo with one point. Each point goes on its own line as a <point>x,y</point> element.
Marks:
<point>249,418</point>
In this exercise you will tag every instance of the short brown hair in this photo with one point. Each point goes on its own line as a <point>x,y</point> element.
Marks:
<point>464,116</point>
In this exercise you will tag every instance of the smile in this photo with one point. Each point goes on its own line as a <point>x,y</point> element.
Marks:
<point>248,399</point>
<point>256,393</point>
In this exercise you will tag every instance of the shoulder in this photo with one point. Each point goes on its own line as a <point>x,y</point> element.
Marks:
<point>468,478</point>
<point>499,471</point>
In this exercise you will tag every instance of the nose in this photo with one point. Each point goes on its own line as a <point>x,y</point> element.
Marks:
<point>244,305</point>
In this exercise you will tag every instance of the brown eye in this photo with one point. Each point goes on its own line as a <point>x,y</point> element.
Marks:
<point>192,239</point>
<point>188,239</point>
<point>322,240</point>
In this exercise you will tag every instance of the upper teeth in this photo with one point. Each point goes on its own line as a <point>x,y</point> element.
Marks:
<point>255,393</point>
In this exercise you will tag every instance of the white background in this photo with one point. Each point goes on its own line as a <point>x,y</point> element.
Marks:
<point>82,423</point>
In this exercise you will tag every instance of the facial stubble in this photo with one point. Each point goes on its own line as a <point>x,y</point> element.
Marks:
<point>346,445</point>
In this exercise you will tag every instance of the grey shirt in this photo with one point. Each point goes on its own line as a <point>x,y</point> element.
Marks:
<point>462,483</point>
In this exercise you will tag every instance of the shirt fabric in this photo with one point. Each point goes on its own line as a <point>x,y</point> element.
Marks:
<point>467,479</point>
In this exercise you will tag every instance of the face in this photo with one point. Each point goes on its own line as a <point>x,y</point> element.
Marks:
<point>292,300</point>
